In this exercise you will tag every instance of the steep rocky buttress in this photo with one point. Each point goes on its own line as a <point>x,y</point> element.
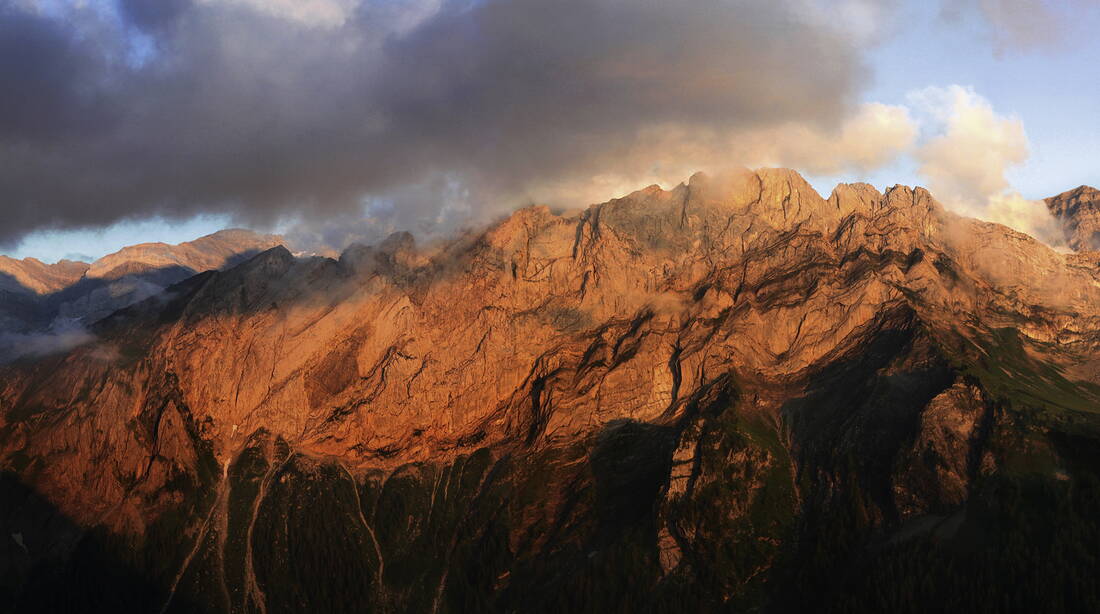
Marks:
<point>732,395</point>
<point>1079,211</point>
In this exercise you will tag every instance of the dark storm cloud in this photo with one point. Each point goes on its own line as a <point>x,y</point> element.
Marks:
<point>50,82</point>
<point>251,112</point>
<point>152,15</point>
<point>539,87</point>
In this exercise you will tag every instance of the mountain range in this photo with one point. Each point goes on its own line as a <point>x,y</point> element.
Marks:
<point>734,395</point>
<point>38,298</point>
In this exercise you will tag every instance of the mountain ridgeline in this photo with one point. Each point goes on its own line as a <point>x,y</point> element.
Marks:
<point>730,396</point>
<point>35,297</point>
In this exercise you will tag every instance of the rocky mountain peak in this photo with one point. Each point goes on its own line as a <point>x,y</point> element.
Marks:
<point>32,276</point>
<point>1079,211</point>
<point>855,197</point>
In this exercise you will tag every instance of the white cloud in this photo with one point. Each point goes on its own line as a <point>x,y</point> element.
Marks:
<point>967,149</point>
<point>967,162</point>
<point>871,138</point>
<point>1030,216</point>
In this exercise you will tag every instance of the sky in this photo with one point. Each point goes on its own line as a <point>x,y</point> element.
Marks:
<point>334,121</point>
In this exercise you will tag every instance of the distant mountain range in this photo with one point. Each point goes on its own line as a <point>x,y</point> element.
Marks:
<point>33,294</point>
<point>734,395</point>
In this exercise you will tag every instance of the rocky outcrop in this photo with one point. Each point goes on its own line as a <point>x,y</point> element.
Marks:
<point>677,399</point>
<point>1079,212</point>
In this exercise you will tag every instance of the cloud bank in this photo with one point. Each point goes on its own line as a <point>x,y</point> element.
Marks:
<point>344,119</point>
<point>268,109</point>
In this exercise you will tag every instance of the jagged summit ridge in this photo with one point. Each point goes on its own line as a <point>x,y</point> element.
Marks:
<point>776,276</point>
<point>718,365</point>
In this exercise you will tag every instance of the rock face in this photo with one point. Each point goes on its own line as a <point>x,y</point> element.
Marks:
<point>32,276</point>
<point>35,294</point>
<point>1079,212</point>
<point>731,395</point>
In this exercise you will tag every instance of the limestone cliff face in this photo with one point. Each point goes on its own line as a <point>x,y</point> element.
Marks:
<point>686,384</point>
<point>1079,212</point>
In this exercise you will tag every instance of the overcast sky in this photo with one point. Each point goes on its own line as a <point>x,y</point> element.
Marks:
<point>342,120</point>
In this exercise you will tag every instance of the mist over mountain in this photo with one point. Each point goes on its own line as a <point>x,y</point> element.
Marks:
<point>733,395</point>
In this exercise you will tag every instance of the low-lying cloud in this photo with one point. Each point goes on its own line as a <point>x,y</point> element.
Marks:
<point>870,136</point>
<point>62,336</point>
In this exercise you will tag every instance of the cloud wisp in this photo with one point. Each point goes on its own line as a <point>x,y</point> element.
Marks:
<point>62,336</point>
<point>1019,25</point>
